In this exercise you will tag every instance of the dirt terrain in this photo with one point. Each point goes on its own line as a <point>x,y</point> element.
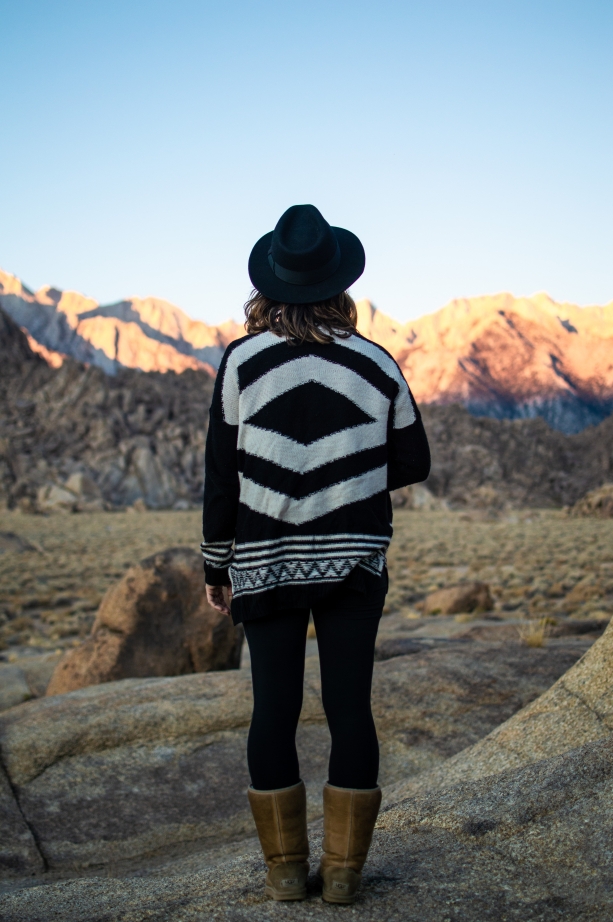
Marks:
<point>54,570</point>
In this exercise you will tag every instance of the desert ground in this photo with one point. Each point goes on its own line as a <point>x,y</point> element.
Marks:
<point>131,793</point>
<point>539,564</point>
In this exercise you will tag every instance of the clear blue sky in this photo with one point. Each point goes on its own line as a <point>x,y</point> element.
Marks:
<point>147,145</point>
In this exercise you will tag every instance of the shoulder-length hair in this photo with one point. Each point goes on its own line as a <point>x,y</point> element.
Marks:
<point>300,323</point>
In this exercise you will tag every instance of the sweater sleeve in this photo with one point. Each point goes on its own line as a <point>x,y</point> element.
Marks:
<point>409,452</point>
<point>221,482</point>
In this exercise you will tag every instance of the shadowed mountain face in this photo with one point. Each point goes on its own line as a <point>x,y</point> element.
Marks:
<point>132,436</point>
<point>499,356</point>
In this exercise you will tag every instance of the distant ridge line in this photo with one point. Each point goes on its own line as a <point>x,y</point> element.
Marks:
<point>498,355</point>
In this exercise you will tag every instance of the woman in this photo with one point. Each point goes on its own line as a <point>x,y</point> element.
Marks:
<point>311,425</point>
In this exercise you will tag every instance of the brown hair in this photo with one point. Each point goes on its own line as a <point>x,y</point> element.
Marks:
<point>300,323</point>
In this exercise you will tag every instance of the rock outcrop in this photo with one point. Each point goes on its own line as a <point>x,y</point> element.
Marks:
<point>19,854</point>
<point>483,463</point>
<point>155,622</point>
<point>577,710</point>
<point>596,504</point>
<point>529,845</point>
<point>154,767</point>
<point>465,597</point>
<point>74,438</point>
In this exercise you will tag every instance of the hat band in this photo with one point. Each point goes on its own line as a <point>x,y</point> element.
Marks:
<point>309,277</point>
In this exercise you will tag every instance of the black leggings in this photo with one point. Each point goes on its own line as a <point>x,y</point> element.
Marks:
<point>346,624</point>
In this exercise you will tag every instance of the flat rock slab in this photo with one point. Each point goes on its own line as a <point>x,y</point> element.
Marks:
<point>133,770</point>
<point>529,844</point>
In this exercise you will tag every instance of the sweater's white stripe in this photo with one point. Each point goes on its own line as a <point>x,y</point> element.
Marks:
<point>230,392</point>
<point>314,552</point>
<point>404,414</point>
<point>270,561</point>
<point>328,539</point>
<point>296,550</point>
<point>293,456</point>
<point>297,511</point>
<point>214,555</point>
<point>306,369</point>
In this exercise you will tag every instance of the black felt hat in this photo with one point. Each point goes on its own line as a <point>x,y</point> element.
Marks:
<point>304,260</point>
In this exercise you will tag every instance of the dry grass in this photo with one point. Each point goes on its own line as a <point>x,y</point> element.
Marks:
<point>534,634</point>
<point>537,564</point>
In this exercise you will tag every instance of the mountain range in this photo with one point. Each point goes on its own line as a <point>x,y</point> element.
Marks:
<point>499,355</point>
<point>75,438</point>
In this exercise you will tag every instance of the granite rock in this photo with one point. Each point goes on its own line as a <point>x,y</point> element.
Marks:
<point>52,498</point>
<point>596,504</point>
<point>466,597</point>
<point>528,845</point>
<point>156,621</point>
<point>14,688</point>
<point>576,710</point>
<point>142,768</point>
<point>19,854</point>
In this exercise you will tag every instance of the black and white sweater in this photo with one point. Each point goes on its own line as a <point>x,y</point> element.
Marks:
<point>304,443</point>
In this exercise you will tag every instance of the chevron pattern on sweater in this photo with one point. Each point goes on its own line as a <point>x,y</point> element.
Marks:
<point>304,443</point>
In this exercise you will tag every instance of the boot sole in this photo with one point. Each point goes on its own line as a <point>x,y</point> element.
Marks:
<point>279,896</point>
<point>333,898</point>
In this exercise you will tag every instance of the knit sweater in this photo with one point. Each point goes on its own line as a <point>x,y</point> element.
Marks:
<point>304,444</point>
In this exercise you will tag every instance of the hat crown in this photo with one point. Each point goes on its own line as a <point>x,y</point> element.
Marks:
<point>303,240</point>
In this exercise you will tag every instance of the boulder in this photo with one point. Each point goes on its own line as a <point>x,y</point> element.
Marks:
<point>416,496</point>
<point>596,504</point>
<point>127,770</point>
<point>82,486</point>
<point>466,597</point>
<point>88,495</point>
<point>156,484</point>
<point>26,677</point>
<point>14,687</point>
<point>53,498</point>
<point>155,622</point>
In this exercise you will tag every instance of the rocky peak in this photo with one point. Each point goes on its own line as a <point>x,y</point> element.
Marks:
<point>498,355</point>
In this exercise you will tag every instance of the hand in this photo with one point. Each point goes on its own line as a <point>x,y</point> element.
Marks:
<point>216,597</point>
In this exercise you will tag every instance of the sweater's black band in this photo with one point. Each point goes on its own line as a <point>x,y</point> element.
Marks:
<point>216,576</point>
<point>310,277</point>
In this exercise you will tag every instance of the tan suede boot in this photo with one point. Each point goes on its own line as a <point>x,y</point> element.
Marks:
<point>349,820</point>
<point>280,819</point>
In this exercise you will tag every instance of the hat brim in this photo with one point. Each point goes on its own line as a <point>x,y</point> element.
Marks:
<point>351,267</point>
